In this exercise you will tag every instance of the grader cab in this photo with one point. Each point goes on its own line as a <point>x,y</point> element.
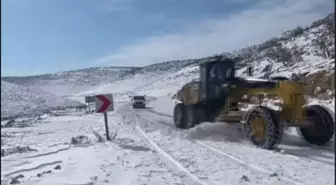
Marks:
<point>218,92</point>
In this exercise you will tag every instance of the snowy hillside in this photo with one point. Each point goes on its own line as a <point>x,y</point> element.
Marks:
<point>68,82</point>
<point>301,58</point>
<point>19,101</point>
<point>167,83</point>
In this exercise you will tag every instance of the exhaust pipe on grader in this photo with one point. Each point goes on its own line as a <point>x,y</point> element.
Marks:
<point>219,91</point>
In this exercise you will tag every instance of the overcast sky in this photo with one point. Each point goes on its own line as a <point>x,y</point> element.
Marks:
<point>40,36</point>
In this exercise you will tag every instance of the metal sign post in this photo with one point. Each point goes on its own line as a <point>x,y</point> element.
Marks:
<point>104,104</point>
<point>106,127</point>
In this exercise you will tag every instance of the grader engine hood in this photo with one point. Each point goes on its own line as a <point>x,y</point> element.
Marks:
<point>189,93</point>
<point>179,95</point>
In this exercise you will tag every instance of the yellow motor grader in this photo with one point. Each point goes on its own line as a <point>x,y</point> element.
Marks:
<point>219,91</point>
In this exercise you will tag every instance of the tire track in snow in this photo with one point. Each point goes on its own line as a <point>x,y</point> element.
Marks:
<point>288,167</point>
<point>246,163</point>
<point>254,171</point>
<point>287,175</point>
<point>288,178</point>
<point>168,157</point>
<point>164,156</point>
<point>235,169</point>
<point>49,153</point>
<point>307,146</point>
<point>32,168</point>
<point>236,160</point>
<point>315,152</point>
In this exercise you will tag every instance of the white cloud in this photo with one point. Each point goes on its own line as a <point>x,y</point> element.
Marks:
<point>252,26</point>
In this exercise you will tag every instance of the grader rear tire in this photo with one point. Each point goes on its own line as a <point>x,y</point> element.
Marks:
<point>179,115</point>
<point>322,129</point>
<point>262,128</point>
<point>201,114</point>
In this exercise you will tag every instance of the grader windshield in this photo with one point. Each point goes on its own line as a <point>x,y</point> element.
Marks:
<point>221,71</point>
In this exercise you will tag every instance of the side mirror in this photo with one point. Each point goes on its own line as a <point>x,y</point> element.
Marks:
<point>249,71</point>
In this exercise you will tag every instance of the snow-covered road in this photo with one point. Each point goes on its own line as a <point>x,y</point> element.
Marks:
<point>148,149</point>
<point>217,153</point>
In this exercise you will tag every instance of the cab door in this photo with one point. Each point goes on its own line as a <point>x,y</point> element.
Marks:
<point>203,88</point>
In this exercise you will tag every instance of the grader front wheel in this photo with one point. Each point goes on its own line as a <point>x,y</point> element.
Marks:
<point>179,113</point>
<point>321,129</point>
<point>191,118</point>
<point>185,116</point>
<point>262,128</point>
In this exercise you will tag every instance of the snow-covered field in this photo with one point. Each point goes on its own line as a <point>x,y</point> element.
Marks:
<point>148,149</point>
<point>125,160</point>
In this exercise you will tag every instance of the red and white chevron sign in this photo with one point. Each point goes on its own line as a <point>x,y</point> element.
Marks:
<point>104,103</point>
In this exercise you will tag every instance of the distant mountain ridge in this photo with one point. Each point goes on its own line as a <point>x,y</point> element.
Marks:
<point>63,83</point>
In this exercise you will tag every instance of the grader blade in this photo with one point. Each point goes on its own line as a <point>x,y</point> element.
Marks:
<point>230,117</point>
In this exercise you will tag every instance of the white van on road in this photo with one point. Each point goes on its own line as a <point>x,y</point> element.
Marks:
<point>139,101</point>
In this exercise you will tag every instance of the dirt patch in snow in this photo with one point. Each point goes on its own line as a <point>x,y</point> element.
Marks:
<point>17,149</point>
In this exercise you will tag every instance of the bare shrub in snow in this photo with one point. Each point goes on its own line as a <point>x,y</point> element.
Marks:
<point>281,54</point>
<point>80,140</point>
<point>98,136</point>
<point>325,42</point>
<point>249,55</point>
<point>268,44</point>
<point>113,134</point>
<point>322,48</point>
<point>297,31</point>
<point>297,53</point>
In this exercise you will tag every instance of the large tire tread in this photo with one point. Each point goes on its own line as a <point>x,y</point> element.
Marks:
<point>326,124</point>
<point>274,130</point>
<point>188,116</point>
<point>179,115</point>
